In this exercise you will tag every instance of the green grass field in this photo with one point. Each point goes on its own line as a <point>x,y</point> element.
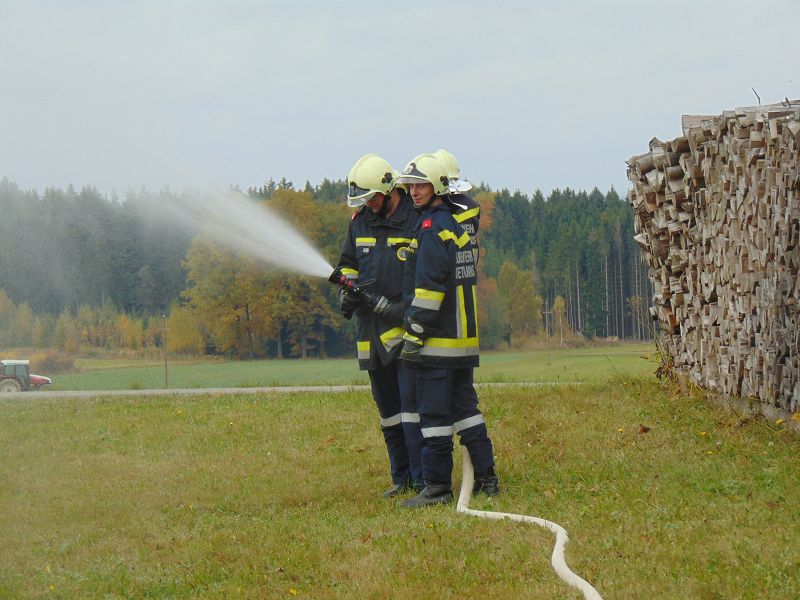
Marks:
<point>582,364</point>
<point>277,496</point>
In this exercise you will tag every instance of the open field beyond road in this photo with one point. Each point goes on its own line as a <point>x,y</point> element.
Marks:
<point>277,496</point>
<point>583,364</point>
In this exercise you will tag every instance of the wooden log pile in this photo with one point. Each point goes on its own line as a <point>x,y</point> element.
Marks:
<point>717,216</point>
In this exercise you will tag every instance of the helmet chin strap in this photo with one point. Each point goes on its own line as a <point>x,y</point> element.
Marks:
<point>420,208</point>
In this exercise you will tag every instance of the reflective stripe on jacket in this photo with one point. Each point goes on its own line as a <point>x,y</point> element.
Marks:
<point>467,213</point>
<point>440,291</point>
<point>375,250</point>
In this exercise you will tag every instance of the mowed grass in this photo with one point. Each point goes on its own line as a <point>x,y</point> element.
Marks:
<point>277,496</point>
<point>558,365</point>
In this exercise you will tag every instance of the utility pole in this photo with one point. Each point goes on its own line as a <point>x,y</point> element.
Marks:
<point>164,343</point>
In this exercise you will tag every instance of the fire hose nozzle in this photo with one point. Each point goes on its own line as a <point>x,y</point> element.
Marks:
<point>351,285</point>
<point>374,300</point>
<point>337,277</point>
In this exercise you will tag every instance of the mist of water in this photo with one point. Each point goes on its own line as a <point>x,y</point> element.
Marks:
<point>236,221</point>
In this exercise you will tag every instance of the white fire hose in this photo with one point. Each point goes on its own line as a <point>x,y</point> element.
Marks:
<point>557,560</point>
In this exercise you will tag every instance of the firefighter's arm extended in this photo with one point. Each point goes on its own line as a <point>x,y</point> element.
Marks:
<point>359,298</point>
<point>348,267</point>
<point>391,312</point>
<point>354,296</point>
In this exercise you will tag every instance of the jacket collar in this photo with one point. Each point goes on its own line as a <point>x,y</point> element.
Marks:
<point>398,218</point>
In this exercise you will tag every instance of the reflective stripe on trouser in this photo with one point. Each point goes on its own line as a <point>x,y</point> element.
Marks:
<point>386,392</point>
<point>399,415</point>
<point>409,417</point>
<point>448,404</point>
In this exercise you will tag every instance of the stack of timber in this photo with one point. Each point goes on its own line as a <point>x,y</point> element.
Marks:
<point>717,216</point>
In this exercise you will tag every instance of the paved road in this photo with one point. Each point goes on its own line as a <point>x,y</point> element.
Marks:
<point>191,391</point>
<point>245,390</point>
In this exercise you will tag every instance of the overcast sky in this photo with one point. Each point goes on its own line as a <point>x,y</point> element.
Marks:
<point>526,94</point>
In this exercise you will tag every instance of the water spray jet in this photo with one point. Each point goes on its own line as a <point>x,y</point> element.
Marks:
<point>248,227</point>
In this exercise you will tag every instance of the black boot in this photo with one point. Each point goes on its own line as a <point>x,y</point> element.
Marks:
<point>487,483</point>
<point>432,494</point>
<point>396,490</point>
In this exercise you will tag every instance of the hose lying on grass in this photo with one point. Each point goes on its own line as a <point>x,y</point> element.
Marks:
<point>557,559</point>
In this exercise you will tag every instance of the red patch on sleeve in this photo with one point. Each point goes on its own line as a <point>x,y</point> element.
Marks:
<point>427,224</point>
<point>353,218</point>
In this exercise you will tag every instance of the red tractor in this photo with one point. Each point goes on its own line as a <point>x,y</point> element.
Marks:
<point>15,376</point>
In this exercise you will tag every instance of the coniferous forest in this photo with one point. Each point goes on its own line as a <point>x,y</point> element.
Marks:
<point>80,270</point>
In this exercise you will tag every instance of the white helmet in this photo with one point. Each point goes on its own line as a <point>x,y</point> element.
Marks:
<point>426,168</point>
<point>371,174</point>
<point>457,185</point>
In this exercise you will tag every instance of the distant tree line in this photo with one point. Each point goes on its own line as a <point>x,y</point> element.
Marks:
<point>80,270</point>
<point>580,250</point>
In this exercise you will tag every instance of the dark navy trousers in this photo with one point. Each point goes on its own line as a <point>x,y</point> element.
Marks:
<point>393,391</point>
<point>448,404</point>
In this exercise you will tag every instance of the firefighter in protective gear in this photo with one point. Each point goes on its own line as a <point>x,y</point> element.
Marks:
<point>375,250</point>
<point>441,336</point>
<point>467,211</point>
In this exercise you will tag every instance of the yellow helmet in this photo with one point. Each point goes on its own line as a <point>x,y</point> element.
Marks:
<point>453,171</point>
<point>371,174</point>
<point>426,168</point>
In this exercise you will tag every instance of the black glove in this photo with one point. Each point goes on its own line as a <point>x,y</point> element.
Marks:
<point>380,305</point>
<point>374,302</point>
<point>393,314</point>
<point>410,354</point>
<point>348,303</point>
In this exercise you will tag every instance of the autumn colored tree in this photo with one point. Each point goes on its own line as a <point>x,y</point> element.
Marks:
<point>21,331</point>
<point>521,302</point>
<point>67,337</point>
<point>301,307</point>
<point>154,332</point>
<point>129,332</point>
<point>7,310</point>
<point>486,201</point>
<point>558,319</point>
<point>183,331</point>
<point>226,288</point>
<point>43,328</point>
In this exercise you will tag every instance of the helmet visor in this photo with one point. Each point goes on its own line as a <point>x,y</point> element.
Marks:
<point>358,196</point>
<point>413,175</point>
<point>406,179</point>
<point>360,201</point>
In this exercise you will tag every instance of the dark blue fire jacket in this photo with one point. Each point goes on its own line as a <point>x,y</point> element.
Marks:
<point>375,249</point>
<point>440,290</point>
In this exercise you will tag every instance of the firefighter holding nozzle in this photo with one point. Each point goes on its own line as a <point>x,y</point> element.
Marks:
<point>372,263</point>
<point>441,334</point>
